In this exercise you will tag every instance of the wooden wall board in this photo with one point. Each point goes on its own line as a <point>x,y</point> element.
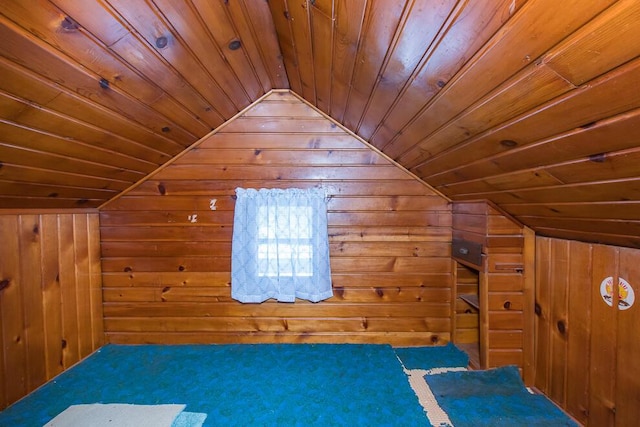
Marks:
<point>627,393</point>
<point>15,356</point>
<point>585,369</point>
<point>580,325</point>
<point>505,286</point>
<point>390,280</point>
<point>50,300</point>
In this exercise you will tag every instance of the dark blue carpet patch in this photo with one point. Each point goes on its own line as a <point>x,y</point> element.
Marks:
<point>448,356</point>
<point>238,385</point>
<point>499,381</point>
<point>493,398</point>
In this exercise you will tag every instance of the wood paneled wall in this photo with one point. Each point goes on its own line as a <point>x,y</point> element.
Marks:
<point>50,297</point>
<point>467,319</point>
<point>587,351</point>
<point>167,251</point>
<point>505,286</point>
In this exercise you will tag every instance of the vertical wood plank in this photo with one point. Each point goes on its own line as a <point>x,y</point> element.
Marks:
<point>322,40</point>
<point>603,341</point>
<point>82,282</point>
<point>348,16</point>
<point>297,10</point>
<point>95,282</point>
<point>51,296</point>
<point>31,274</point>
<point>528,347</point>
<point>4,399</point>
<point>281,21</point>
<point>543,307</point>
<point>249,38</point>
<point>559,278</point>
<point>628,349</point>
<point>580,299</point>
<point>69,301</point>
<point>11,310</point>
<point>454,298</point>
<point>483,292</point>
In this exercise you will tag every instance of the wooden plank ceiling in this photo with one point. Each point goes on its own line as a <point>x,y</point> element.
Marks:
<point>534,105</point>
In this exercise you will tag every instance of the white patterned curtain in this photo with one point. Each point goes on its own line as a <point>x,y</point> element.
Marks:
<point>280,245</point>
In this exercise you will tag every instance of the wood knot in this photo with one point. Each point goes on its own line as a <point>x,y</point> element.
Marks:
<point>4,284</point>
<point>128,269</point>
<point>434,339</point>
<point>235,44</point>
<point>161,42</point>
<point>69,24</point>
<point>508,143</point>
<point>538,309</point>
<point>181,268</point>
<point>562,327</point>
<point>507,305</point>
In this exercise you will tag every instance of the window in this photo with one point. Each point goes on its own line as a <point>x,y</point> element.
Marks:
<point>284,241</point>
<point>280,246</point>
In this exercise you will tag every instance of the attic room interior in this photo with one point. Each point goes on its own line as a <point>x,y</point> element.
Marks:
<point>479,161</point>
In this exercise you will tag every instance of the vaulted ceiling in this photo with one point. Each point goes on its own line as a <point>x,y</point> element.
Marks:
<point>534,105</point>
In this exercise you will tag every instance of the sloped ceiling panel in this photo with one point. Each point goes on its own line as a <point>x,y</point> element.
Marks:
<point>94,95</point>
<point>533,105</point>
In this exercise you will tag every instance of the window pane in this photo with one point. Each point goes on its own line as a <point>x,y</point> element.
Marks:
<point>284,236</point>
<point>285,222</point>
<point>274,258</point>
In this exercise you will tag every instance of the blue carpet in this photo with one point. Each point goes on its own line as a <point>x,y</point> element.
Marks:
<point>495,397</point>
<point>238,385</point>
<point>448,356</point>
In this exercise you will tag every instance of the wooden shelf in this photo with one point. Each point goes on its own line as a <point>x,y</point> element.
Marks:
<point>471,299</point>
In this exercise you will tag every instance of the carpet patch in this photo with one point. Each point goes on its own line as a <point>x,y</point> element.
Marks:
<point>238,385</point>
<point>496,397</point>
